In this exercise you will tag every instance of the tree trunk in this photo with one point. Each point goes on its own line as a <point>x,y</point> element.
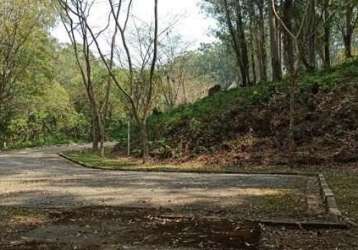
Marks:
<point>243,46</point>
<point>234,38</point>
<point>95,141</point>
<point>348,45</point>
<point>144,138</point>
<point>293,90</point>
<point>275,52</point>
<point>327,36</point>
<point>309,44</point>
<point>97,124</point>
<point>129,138</point>
<point>348,33</point>
<point>288,46</point>
<point>262,42</point>
<point>253,64</point>
<point>102,136</point>
<point>255,52</point>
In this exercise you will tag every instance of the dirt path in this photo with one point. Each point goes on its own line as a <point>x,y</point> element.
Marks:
<point>39,178</point>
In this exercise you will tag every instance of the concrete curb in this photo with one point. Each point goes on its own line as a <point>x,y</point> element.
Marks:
<point>314,224</point>
<point>329,198</point>
<point>86,165</point>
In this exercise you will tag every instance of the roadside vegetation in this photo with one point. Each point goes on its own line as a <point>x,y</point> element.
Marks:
<point>248,127</point>
<point>276,91</point>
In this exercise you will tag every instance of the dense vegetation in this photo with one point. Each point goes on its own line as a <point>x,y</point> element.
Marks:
<point>278,62</point>
<point>251,125</point>
<point>42,96</point>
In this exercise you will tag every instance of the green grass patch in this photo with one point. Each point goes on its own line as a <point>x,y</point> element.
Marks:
<point>290,205</point>
<point>112,162</point>
<point>93,159</point>
<point>345,187</point>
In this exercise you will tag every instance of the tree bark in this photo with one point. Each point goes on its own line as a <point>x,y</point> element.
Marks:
<point>292,39</point>
<point>348,45</point>
<point>287,40</point>
<point>293,91</point>
<point>311,36</point>
<point>144,139</point>
<point>243,46</point>
<point>262,42</point>
<point>348,33</point>
<point>327,35</point>
<point>275,51</point>
<point>254,42</point>
<point>129,138</point>
<point>253,63</point>
<point>236,43</point>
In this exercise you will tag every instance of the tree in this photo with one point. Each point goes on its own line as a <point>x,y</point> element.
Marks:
<point>138,86</point>
<point>275,41</point>
<point>235,24</point>
<point>327,20</point>
<point>172,61</point>
<point>22,33</point>
<point>347,27</point>
<point>293,58</point>
<point>81,40</point>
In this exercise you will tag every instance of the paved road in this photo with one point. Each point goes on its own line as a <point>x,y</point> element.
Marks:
<point>39,178</point>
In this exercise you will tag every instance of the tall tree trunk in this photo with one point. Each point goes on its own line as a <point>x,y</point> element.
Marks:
<point>275,51</point>
<point>307,42</point>
<point>311,36</point>
<point>144,138</point>
<point>254,43</point>
<point>287,40</point>
<point>97,124</point>
<point>293,91</point>
<point>262,42</point>
<point>129,137</point>
<point>292,60</point>
<point>327,35</point>
<point>348,32</point>
<point>243,45</point>
<point>253,63</point>
<point>102,136</point>
<point>348,45</point>
<point>234,40</point>
<point>95,140</point>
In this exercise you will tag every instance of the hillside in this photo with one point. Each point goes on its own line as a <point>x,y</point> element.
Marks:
<point>250,125</point>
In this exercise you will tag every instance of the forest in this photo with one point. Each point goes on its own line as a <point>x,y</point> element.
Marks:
<point>91,88</point>
<point>275,90</point>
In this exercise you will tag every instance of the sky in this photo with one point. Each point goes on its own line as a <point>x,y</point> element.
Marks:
<point>194,26</point>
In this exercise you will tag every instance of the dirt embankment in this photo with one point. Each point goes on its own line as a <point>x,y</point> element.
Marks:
<point>326,129</point>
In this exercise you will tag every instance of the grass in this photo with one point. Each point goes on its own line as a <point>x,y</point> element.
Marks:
<point>93,160</point>
<point>12,216</point>
<point>345,187</point>
<point>40,143</point>
<point>204,110</point>
<point>289,204</point>
<point>111,162</point>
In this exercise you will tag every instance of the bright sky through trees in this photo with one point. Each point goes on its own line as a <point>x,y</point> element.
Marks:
<point>194,26</point>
